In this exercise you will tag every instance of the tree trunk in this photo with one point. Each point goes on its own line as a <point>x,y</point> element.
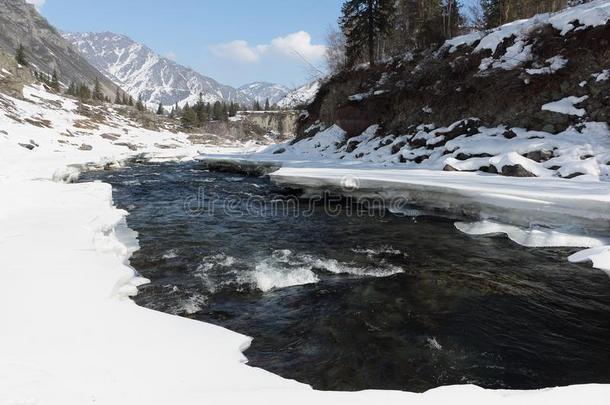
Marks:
<point>371,29</point>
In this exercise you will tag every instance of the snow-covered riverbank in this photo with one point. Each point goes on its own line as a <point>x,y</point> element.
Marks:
<point>70,333</point>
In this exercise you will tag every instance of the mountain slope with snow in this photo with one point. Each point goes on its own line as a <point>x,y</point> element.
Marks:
<point>301,96</point>
<point>45,49</point>
<point>262,91</point>
<point>142,72</point>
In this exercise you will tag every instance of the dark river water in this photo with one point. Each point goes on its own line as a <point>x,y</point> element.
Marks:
<point>348,302</point>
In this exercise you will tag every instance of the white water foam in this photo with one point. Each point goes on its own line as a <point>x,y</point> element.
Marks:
<point>334,266</point>
<point>383,250</point>
<point>193,304</point>
<point>170,254</point>
<point>266,276</point>
<point>284,269</point>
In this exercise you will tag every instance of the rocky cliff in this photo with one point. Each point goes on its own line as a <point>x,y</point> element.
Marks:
<point>46,50</point>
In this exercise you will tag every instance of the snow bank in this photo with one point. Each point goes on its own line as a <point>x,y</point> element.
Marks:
<point>535,236</point>
<point>583,152</point>
<point>553,202</point>
<point>599,256</point>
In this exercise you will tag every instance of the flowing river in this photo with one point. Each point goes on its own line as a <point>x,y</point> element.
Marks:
<point>343,298</point>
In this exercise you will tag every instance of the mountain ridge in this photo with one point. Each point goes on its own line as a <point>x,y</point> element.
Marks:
<point>141,71</point>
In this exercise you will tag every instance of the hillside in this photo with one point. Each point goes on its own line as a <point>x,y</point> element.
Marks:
<point>263,91</point>
<point>45,48</point>
<point>530,98</point>
<point>300,96</point>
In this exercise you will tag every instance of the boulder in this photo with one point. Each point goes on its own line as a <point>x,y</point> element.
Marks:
<point>539,155</point>
<point>515,171</point>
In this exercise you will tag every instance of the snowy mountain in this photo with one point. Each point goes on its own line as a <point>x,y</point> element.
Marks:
<point>261,91</point>
<point>141,71</point>
<point>303,95</point>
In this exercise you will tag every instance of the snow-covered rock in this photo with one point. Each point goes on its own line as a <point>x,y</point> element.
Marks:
<point>567,106</point>
<point>590,14</point>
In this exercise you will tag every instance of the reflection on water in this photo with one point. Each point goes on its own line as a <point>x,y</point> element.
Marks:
<point>348,303</point>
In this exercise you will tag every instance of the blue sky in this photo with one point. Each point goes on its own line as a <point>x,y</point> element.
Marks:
<point>233,41</point>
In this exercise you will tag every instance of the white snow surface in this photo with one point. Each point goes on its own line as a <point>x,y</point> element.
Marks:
<point>555,64</point>
<point>567,106</point>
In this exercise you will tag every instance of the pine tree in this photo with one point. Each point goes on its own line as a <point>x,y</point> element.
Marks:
<point>267,106</point>
<point>140,104</point>
<point>233,109</point>
<point>20,56</point>
<point>130,101</point>
<point>83,92</point>
<point>363,23</point>
<point>117,96</point>
<point>71,89</point>
<point>201,111</point>
<point>492,13</point>
<point>189,117</point>
<point>160,110</point>
<point>217,111</point>
<point>55,81</point>
<point>98,94</point>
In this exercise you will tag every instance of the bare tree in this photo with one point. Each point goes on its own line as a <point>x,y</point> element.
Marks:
<point>476,16</point>
<point>335,50</point>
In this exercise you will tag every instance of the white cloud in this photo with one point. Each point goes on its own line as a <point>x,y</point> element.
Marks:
<point>299,45</point>
<point>170,55</point>
<point>236,50</point>
<point>37,3</point>
<point>295,45</point>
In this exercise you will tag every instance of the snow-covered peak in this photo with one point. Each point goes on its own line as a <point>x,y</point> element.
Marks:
<point>262,91</point>
<point>142,72</point>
